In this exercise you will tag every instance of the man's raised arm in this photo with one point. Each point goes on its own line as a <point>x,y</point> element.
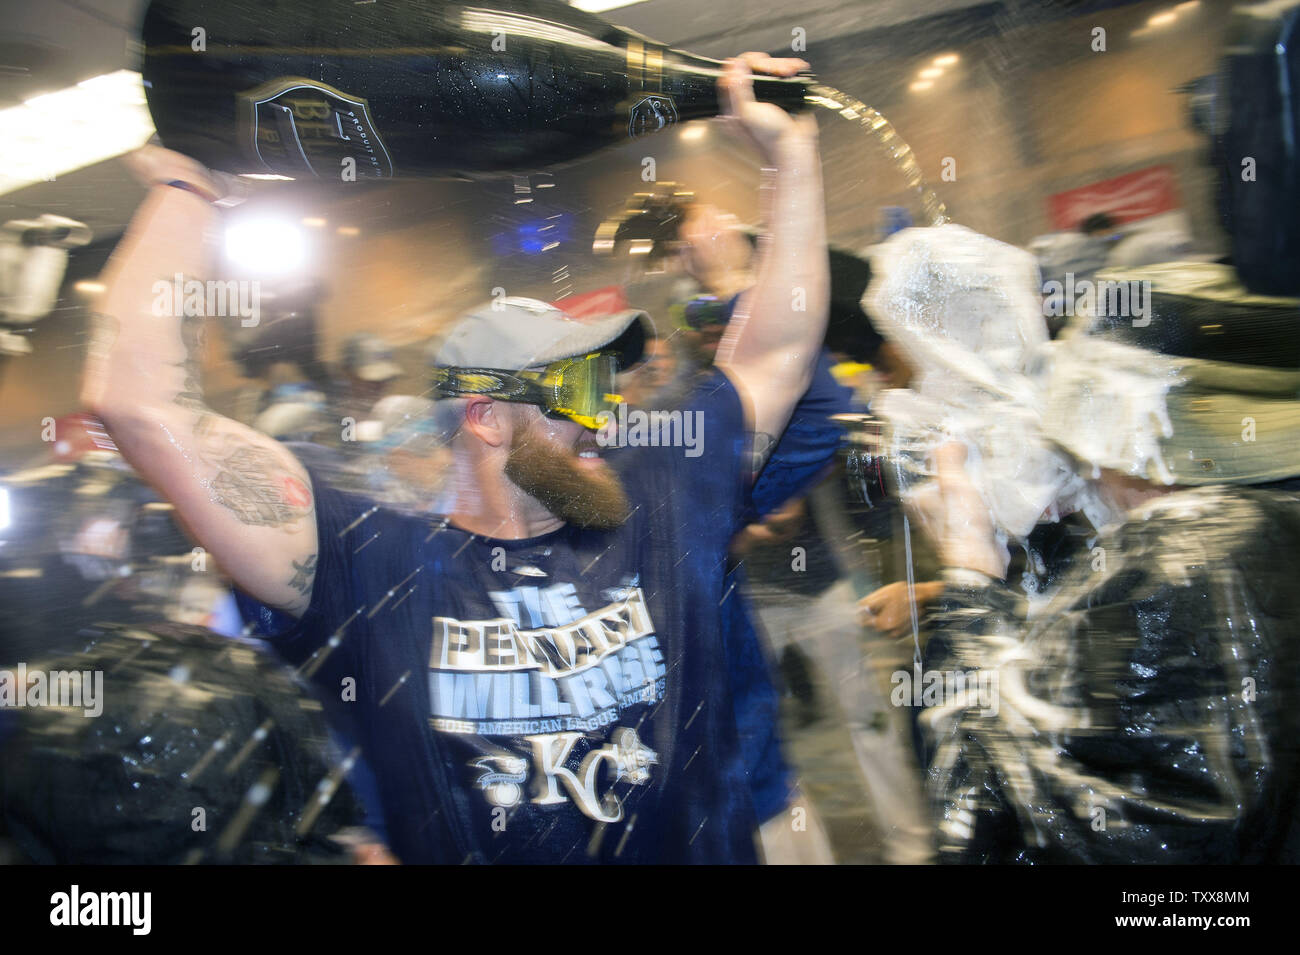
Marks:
<point>772,343</point>
<point>242,495</point>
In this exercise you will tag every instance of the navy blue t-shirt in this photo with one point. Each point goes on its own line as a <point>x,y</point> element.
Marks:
<point>808,444</point>
<point>563,698</point>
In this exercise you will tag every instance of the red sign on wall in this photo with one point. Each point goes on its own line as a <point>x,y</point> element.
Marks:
<point>1127,198</point>
<point>597,304</point>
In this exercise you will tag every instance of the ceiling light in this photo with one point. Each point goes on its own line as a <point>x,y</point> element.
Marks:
<point>72,128</point>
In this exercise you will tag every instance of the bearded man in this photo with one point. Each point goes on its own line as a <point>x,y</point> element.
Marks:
<point>538,675</point>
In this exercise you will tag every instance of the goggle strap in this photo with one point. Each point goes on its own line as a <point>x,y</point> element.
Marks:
<point>542,388</point>
<point>491,382</point>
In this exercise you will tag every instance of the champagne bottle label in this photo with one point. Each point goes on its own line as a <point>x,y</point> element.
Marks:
<point>650,108</point>
<point>653,112</point>
<point>300,127</point>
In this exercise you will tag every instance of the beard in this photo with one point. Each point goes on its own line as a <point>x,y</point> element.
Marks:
<point>549,472</point>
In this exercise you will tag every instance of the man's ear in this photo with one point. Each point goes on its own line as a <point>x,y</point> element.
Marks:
<point>488,421</point>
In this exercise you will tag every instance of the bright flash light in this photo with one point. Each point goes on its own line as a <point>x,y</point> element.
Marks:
<point>1161,19</point>
<point>59,132</point>
<point>315,222</point>
<point>948,59</point>
<point>87,287</point>
<point>348,230</point>
<point>694,132</point>
<point>1190,5</point>
<point>921,85</point>
<point>267,246</point>
<point>932,73</point>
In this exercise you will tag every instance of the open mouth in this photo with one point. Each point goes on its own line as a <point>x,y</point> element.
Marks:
<point>588,453</point>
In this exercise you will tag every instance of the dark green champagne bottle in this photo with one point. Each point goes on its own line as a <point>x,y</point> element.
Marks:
<point>305,88</point>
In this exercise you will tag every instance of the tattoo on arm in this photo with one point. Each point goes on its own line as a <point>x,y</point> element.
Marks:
<point>760,448</point>
<point>193,337</point>
<point>253,481</point>
<point>304,575</point>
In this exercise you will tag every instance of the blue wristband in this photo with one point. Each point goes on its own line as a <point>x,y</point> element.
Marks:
<point>190,187</point>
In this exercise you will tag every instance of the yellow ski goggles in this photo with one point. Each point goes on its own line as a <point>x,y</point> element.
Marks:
<point>575,388</point>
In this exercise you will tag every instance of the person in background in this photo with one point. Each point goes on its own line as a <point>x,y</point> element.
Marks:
<point>408,463</point>
<point>1069,257</point>
<point>801,559</point>
<point>367,372</point>
<point>289,384</point>
<point>1147,712</point>
<point>1141,707</point>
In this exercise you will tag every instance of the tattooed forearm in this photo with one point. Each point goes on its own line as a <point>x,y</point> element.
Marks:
<point>253,482</point>
<point>304,574</point>
<point>194,339</point>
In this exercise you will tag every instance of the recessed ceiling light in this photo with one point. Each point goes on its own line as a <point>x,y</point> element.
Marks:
<point>71,128</point>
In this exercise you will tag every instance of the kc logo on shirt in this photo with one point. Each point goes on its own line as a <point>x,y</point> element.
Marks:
<point>548,687</point>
